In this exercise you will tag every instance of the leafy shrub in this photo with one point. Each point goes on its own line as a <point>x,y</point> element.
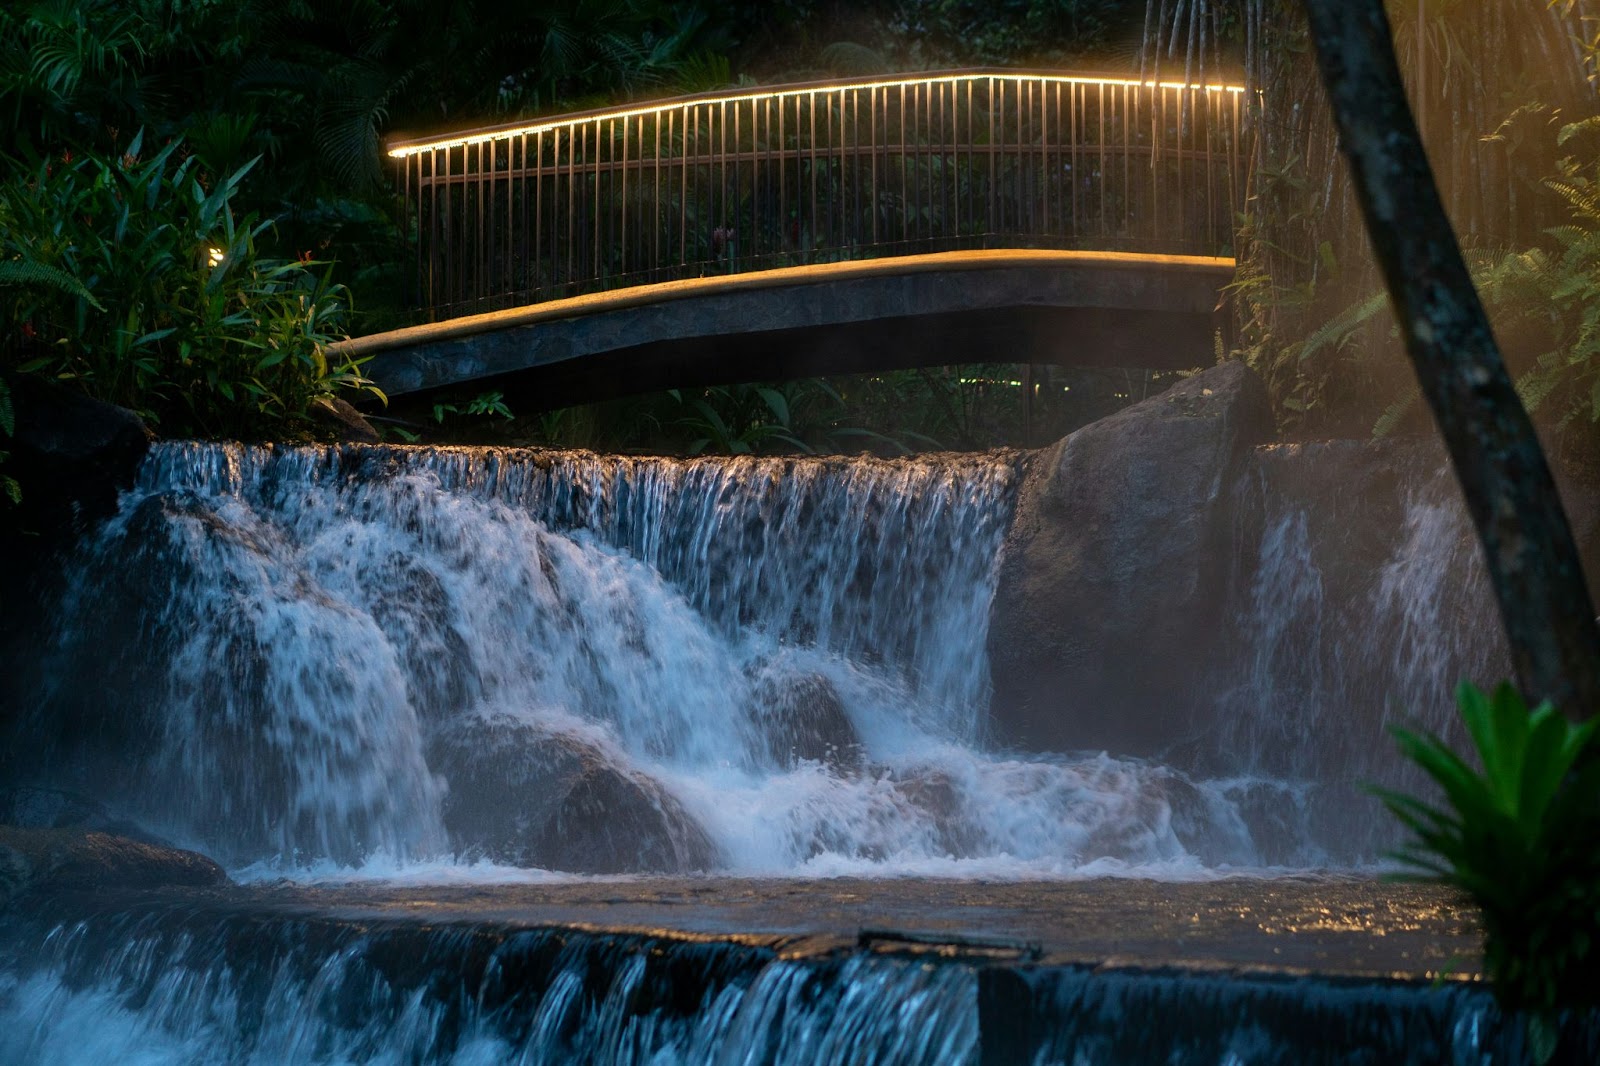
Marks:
<point>133,279</point>
<point>1522,838</point>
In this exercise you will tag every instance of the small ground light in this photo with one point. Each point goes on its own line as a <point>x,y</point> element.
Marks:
<point>214,257</point>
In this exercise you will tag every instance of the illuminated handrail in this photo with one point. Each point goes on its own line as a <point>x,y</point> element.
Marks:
<point>786,175</point>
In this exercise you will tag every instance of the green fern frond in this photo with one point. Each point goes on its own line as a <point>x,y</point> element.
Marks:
<point>27,273</point>
<point>1337,330</point>
<point>1394,415</point>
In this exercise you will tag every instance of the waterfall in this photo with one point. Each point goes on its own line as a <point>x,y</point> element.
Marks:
<point>1361,603</point>
<point>484,665</point>
<point>164,986</point>
<point>346,658</point>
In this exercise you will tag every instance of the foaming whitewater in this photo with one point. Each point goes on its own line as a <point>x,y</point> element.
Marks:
<point>307,659</point>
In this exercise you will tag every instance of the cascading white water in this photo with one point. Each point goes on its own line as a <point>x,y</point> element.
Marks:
<point>370,655</point>
<point>1363,604</point>
<point>444,663</point>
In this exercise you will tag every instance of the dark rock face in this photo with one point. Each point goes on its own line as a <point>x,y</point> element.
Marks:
<point>802,719</point>
<point>527,797</point>
<point>32,860</point>
<point>71,454</point>
<point>413,609</point>
<point>26,807</point>
<point>1111,588</point>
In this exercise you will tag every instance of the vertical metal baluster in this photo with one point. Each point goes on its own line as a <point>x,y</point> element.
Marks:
<point>825,155</point>
<point>905,221</point>
<point>525,232</point>
<point>1025,135</point>
<point>839,211</point>
<point>480,254</point>
<point>532,220</point>
<point>737,219</point>
<point>953,167</point>
<point>683,193</point>
<point>1235,179</point>
<point>752,237</point>
<point>458,236</point>
<point>939,151</point>
<point>840,202</point>
<point>577,149</point>
<point>507,286</point>
<point>416,251</point>
<point>596,208</point>
<point>1125,125</point>
<point>622,207</point>
<point>551,271</point>
<point>811,116</point>
<point>1073,167</point>
<point>447,239</point>
<point>672,123</point>
<point>972,158</point>
<point>639,216</point>
<point>850,167</point>
<point>925,158</point>
<point>1182,96</point>
<point>434,236</point>
<point>1134,123</point>
<point>994,207</point>
<point>655,201</point>
<point>1056,169</point>
<point>872,137</point>
<point>1104,228</point>
<point>1007,174</point>
<point>1044,158</point>
<point>919,175</point>
<point>783,179</point>
<point>1158,150</point>
<point>1211,198</point>
<point>458,252</point>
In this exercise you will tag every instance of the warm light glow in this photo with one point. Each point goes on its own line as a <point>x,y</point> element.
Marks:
<point>546,125</point>
<point>214,257</point>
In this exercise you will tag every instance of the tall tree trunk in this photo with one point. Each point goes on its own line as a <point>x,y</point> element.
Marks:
<point>1532,558</point>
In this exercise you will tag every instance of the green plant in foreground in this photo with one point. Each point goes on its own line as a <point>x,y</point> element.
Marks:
<point>1522,838</point>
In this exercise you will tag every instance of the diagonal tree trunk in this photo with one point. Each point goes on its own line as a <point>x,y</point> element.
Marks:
<point>1532,557</point>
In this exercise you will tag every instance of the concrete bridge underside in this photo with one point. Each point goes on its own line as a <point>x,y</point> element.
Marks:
<point>1070,308</point>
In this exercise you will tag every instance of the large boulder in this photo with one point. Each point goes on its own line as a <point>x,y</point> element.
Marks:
<point>33,860</point>
<point>526,796</point>
<point>1110,595</point>
<point>71,455</point>
<point>802,719</point>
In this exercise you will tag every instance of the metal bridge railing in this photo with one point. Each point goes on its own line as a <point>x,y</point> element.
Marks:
<point>789,175</point>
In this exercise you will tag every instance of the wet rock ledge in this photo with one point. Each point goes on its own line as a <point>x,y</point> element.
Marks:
<point>1287,970</point>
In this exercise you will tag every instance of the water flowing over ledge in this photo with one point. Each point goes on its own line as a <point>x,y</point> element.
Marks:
<point>467,660</point>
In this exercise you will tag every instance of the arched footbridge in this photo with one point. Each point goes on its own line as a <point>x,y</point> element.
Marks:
<point>970,216</point>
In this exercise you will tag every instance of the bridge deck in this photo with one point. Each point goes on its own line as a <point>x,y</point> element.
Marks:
<point>1115,308</point>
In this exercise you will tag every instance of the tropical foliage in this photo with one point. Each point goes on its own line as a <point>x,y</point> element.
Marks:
<point>1310,323</point>
<point>133,280</point>
<point>1517,836</point>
